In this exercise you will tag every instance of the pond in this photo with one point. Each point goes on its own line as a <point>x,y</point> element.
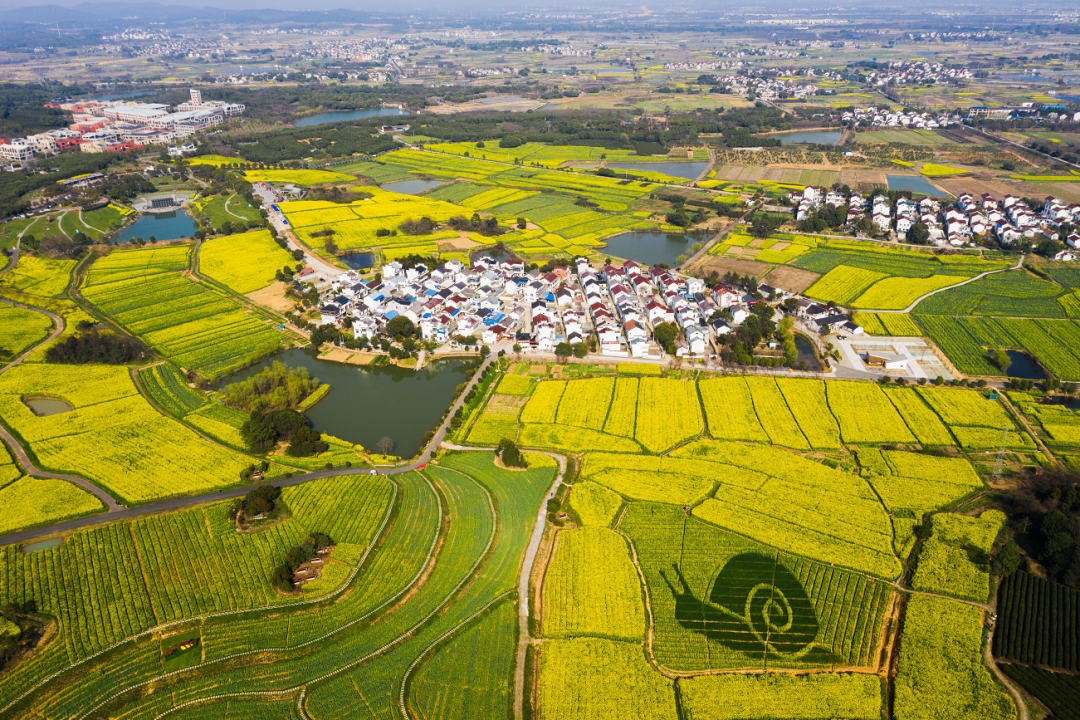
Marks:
<point>359,261</point>
<point>507,99</point>
<point>496,254</point>
<point>651,248</point>
<point>44,407</point>
<point>917,185</point>
<point>411,187</point>
<point>43,545</point>
<point>1023,366</point>
<point>806,353</point>
<point>688,170</point>
<point>340,115</point>
<point>163,226</point>
<point>806,137</point>
<point>366,404</point>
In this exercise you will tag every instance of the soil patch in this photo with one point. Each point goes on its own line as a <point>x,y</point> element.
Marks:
<point>273,296</point>
<point>459,243</point>
<point>791,279</point>
<point>743,267</point>
<point>349,357</point>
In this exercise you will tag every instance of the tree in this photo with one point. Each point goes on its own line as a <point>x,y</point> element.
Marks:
<point>1001,359</point>
<point>919,233</point>
<point>517,350</point>
<point>484,351</point>
<point>580,350</point>
<point>400,327</point>
<point>385,445</point>
<point>510,455</point>
<point>563,350</point>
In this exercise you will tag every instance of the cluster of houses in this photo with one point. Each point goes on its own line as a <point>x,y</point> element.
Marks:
<point>917,73</point>
<point>618,305</point>
<point>1009,220</point>
<point>876,117</point>
<point>117,126</point>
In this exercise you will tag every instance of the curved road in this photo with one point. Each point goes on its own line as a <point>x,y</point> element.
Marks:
<point>20,454</point>
<point>911,307</point>
<point>116,512</point>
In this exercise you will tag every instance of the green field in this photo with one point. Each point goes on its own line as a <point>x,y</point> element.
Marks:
<point>196,327</point>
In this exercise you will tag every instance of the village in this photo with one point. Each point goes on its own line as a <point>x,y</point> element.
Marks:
<point>1011,221</point>
<point>612,311</point>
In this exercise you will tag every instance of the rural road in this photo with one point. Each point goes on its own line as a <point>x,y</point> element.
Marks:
<point>116,512</point>
<point>523,579</point>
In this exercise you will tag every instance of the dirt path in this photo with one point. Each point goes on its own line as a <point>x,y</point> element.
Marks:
<point>238,217</point>
<point>1021,706</point>
<point>704,251</point>
<point>911,307</point>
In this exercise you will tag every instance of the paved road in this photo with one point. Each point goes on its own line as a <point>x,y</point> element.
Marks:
<point>116,512</point>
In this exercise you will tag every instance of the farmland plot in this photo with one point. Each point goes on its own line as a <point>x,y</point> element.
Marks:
<point>945,561</point>
<point>918,483</point>
<point>244,263</point>
<point>865,414</point>
<point>668,412</point>
<point>1038,621</point>
<point>729,409</point>
<point>592,588</point>
<point>169,389</point>
<point>20,329</point>
<point>622,416</point>
<point>594,505</point>
<point>941,665</point>
<point>195,327</point>
<point>594,679</point>
<point>30,501</point>
<point>920,418</point>
<point>705,586</point>
<point>471,677</point>
<point>843,284</point>
<point>822,696</point>
<point>810,408</point>
<point>543,405</point>
<point>825,514</point>
<point>113,436</point>
<point>585,403</point>
<point>774,414</point>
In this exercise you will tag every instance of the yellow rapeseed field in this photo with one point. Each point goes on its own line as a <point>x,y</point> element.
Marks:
<point>245,263</point>
<point>113,436</point>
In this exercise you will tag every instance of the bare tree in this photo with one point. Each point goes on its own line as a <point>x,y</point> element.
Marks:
<point>386,445</point>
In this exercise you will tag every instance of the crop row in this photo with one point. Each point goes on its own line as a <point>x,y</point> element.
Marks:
<point>1038,622</point>
<point>1058,691</point>
<point>169,389</point>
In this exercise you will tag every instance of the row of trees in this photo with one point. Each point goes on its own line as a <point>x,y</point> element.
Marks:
<point>97,347</point>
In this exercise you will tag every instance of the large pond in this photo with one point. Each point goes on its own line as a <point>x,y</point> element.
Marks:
<point>651,248</point>
<point>43,407</point>
<point>367,404</point>
<point>340,115</point>
<point>806,137</point>
<point>1023,366</point>
<point>688,170</point>
<point>163,226</point>
<point>411,187</point>
<point>918,185</point>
